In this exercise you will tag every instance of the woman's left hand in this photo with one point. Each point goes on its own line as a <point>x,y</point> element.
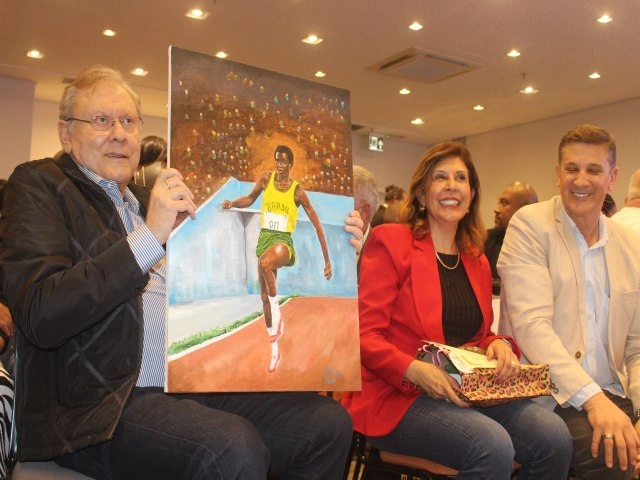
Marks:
<point>508,364</point>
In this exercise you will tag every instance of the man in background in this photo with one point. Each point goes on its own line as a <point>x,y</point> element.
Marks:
<point>629,215</point>
<point>609,207</point>
<point>514,196</point>
<point>365,197</point>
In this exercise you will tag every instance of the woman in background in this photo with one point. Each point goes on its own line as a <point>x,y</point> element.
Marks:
<point>427,279</point>
<point>153,158</point>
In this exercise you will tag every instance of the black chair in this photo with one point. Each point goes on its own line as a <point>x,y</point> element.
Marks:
<point>372,464</point>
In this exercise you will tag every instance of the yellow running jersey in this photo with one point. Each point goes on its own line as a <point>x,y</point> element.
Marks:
<point>279,209</point>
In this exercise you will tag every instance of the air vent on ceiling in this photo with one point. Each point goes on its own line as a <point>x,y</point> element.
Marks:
<point>423,66</point>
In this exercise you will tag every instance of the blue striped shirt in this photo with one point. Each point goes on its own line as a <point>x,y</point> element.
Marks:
<point>151,258</point>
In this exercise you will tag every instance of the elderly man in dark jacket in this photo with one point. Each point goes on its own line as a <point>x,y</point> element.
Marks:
<point>82,268</point>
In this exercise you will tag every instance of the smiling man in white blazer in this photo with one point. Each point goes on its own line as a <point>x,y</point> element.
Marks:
<point>571,298</point>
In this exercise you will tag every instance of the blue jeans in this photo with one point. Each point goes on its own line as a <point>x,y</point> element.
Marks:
<point>289,435</point>
<point>482,443</point>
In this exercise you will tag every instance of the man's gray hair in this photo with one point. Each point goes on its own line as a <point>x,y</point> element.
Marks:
<point>365,188</point>
<point>87,80</point>
<point>633,193</point>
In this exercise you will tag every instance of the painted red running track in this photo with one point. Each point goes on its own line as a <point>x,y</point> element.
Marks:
<point>319,349</point>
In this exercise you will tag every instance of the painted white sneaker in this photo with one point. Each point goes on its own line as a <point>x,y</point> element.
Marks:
<point>275,359</point>
<point>279,331</point>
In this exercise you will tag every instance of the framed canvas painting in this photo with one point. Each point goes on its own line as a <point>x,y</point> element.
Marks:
<point>261,286</point>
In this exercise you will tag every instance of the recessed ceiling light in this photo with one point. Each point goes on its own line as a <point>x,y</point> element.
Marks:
<point>312,40</point>
<point>417,121</point>
<point>415,26</point>
<point>320,74</point>
<point>109,33</point>
<point>478,108</point>
<point>594,75</point>
<point>196,14</point>
<point>529,90</point>
<point>35,54</point>
<point>404,91</point>
<point>140,72</point>
<point>514,53</point>
<point>605,19</point>
<point>222,54</point>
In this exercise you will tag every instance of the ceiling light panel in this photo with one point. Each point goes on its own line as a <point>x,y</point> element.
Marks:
<point>35,54</point>
<point>528,90</point>
<point>312,40</point>
<point>196,14</point>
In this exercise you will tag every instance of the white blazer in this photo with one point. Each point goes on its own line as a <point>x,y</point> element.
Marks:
<point>543,298</point>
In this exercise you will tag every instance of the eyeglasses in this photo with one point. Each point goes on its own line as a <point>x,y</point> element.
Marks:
<point>103,123</point>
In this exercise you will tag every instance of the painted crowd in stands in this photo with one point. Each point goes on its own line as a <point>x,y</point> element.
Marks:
<point>82,271</point>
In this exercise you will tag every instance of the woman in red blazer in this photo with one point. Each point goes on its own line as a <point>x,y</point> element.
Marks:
<point>427,279</point>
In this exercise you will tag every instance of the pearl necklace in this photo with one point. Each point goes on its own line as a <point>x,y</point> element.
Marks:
<point>447,266</point>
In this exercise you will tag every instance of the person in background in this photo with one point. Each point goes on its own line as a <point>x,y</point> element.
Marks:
<point>514,196</point>
<point>365,197</point>
<point>388,211</point>
<point>153,158</point>
<point>609,207</point>
<point>82,265</point>
<point>570,298</point>
<point>629,215</point>
<point>426,279</point>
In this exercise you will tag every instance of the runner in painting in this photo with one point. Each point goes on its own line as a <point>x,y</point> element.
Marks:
<point>282,197</point>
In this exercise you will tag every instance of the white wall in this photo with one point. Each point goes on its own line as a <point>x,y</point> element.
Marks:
<point>529,152</point>
<point>16,117</point>
<point>525,152</point>
<point>394,165</point>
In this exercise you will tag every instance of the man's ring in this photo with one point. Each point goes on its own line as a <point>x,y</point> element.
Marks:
<point>608,436</point>
<point>166,182</point>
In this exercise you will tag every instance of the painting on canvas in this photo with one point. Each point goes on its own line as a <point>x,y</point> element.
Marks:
<point>261,286</point>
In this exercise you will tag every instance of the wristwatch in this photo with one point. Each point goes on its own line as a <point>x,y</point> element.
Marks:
<point>636,415</point>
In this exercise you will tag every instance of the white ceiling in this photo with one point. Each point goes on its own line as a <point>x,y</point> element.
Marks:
<point>560,41</point>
